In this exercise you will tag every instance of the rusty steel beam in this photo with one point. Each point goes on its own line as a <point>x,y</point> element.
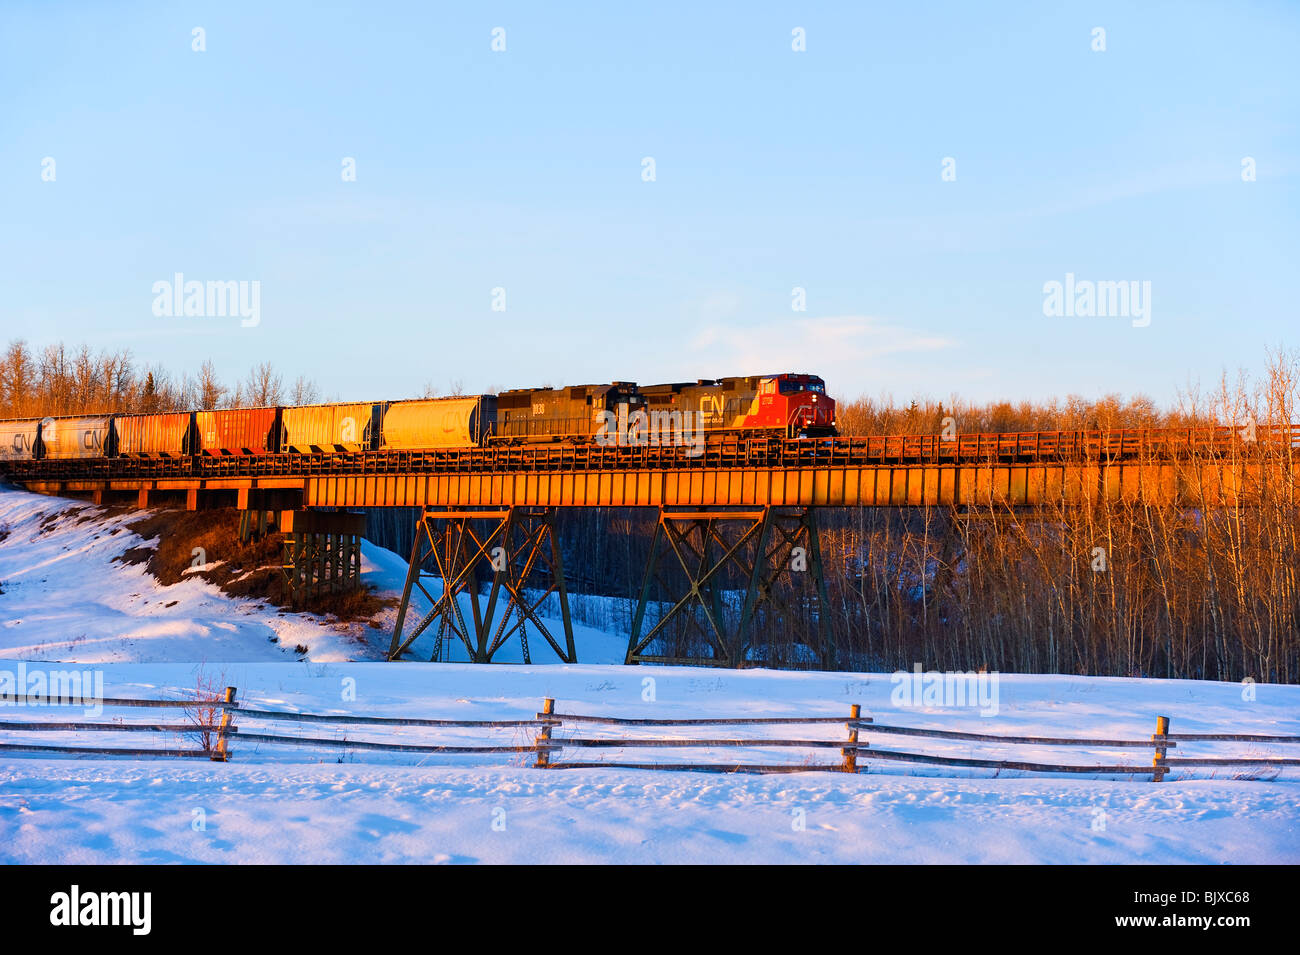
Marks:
<point>322,522</point>
<point>882,486</point>
<point>1216,484</point>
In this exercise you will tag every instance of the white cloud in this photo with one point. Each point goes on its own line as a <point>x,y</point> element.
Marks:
<point>842,349</point>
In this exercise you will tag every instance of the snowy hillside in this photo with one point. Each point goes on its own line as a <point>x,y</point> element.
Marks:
<point>64,599</point>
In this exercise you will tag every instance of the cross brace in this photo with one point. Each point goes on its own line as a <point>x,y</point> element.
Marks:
<point>513,546</point>
<point>772,553</point>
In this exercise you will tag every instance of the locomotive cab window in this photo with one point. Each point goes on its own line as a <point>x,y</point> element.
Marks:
<point>789,387</point>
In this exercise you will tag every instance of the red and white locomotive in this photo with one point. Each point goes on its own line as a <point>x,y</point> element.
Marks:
<point>793,406</point>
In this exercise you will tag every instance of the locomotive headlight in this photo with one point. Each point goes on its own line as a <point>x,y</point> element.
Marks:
<point>814,399</point>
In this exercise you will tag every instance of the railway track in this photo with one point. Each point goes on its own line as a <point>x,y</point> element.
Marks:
<point>1102,446</point>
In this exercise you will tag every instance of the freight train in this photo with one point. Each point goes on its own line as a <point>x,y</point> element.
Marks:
<point>787,405</point>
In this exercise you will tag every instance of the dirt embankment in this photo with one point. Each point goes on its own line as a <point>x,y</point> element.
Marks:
<point>206,544</point>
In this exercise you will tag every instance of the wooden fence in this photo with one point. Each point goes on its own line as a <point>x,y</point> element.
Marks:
<point>855,748</point>
<point>213,738</point>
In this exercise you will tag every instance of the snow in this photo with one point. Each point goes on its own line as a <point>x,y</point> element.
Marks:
<point>65,600</point>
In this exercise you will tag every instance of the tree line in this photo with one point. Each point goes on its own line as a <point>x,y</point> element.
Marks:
<point>62,380</point>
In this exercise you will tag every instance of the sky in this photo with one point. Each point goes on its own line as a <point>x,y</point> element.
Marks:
<point>654,192</point>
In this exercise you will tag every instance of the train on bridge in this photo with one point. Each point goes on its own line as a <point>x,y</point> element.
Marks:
<point>784,405</point>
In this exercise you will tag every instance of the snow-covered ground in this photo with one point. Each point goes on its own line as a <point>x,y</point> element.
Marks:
<point>65,600</point>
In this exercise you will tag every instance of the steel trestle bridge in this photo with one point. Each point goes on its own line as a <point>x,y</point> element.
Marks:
<point>743,504</point>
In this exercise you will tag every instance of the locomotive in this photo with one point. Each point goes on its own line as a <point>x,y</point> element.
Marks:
<point>786,405</point>
<point>793,405</point>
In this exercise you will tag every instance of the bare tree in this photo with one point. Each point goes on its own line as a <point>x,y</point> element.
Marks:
<point>304,392</point>
<point>210,391</point>
<point>262,387</point>
<point>18,381</point>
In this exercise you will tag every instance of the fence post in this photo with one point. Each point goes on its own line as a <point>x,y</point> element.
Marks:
<point>543,751</point>
<point>851,751</point>
<point>1158,768</point>
<point>221,754</point>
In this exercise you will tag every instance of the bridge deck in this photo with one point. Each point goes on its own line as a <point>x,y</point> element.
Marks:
<point>1210,466</point>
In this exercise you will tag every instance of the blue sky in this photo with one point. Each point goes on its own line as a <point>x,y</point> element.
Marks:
<point>774,169</point>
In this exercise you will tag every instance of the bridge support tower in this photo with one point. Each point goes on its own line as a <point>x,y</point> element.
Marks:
<point>773,553</point>
<point>322,552</point>
<point>512,547</point>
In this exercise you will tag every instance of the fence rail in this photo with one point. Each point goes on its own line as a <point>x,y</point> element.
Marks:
<point>385,747</point>
<point>47,700</point>
<point>81,727</point>
<point>215,738</point>
<point>103,751</point>
<point>853,749</point>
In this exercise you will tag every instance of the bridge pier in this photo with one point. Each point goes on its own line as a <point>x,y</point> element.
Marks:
<point>514,545</point>
<point>252,524</point>
<point>322,552</point>
<point>712,548</point>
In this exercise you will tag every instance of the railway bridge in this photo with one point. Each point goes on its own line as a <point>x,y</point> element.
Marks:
<point>744,507</point>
